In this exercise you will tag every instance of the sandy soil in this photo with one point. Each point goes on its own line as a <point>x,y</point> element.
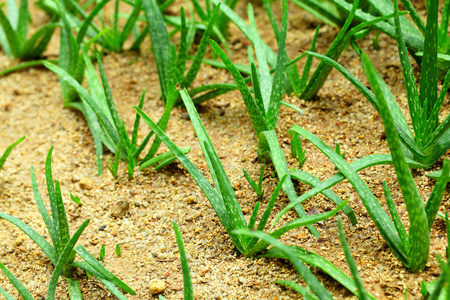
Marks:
<point>31,105</point>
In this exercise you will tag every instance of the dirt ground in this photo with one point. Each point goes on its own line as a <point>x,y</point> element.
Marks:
<point>31,105</point>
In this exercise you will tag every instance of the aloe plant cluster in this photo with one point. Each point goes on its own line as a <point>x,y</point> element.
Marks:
<point>86,34</point>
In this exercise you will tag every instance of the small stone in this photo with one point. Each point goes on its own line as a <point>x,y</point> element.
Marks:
<point>242,280</point>
<point>157,286</point>
<point>191,200</point>
<point>20,239</point>
<point>120,209</point>
<point>86,184</point>
<point>204,271</point>
<point>75,178</point>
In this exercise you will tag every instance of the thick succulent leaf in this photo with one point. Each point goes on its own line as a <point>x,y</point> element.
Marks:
<point>74,289</point>
<point>322,10</point>
<point>395,217</point>
<point>435,200</point>
<point>429,71</point>
<point>334,51</point>
<point>358,165</point>
<point>258,121</point>
<point>63,259</point>
<point>197,61</point>
<point>419,234</point>
<point>413,39</point>
<point>161,46</point>
<point>53,201</point>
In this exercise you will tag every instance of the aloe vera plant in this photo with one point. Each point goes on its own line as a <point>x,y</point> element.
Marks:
<point>62,251</point>
<point>411,249</point>
<point>14,30</point>
<point>171,65</point>
<point>430,140</point>
<point>112,36</point>
<point>8,151</point>
<point>222,196</point>
<point>105,124</point>
<point>264,104</point>
<point>220,26</point>
<point>414,33</point>
<point>303,86</point>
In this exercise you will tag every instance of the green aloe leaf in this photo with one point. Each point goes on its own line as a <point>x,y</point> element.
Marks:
<point>315,182</point>
<point>360,164</point>
<point>361,292</point>
<point>8,151</point>
<point>376,212</point>
<point>187,282</point>
<point>317,261</point>
<point>16,283</point>
<point>62,260</point>
<point>258,121</point>
<point>161,43</point>
<point>43,211</point>
<point>267,212</point>
<point>305,292</point>
<point>419,234</point>
<point>429,73</point>
<point>306,274</point>
<point>53,201</point>
<point>279,161</point>
<point>401,231</point>
<point>197,61</point>
<point>108,284</point>
<point>304,221</point>
<point>74,289</point>
<point>435,200</point>
<point>63,226</point>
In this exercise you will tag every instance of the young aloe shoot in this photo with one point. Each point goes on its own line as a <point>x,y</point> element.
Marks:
<point>257,188</point>
<point>114,165</point>
<point>62,251</point>
<point>118,250</point>
<point>76,200</point>
<point>297,149</point>
<point>8,151</point>
<point>102,253</point>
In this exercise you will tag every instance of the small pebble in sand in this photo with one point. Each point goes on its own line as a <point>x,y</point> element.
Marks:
<point>120,209</point>
<point>86,184</point>
<point>157,286</point>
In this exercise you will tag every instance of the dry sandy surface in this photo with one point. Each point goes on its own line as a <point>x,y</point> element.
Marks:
<point>31,105</point>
